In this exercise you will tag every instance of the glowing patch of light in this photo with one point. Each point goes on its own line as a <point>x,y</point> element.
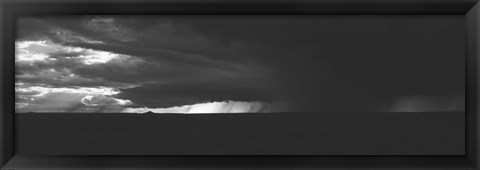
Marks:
<point>37,47</point>
<point>34,51</point>
<point>87,100</point>
<point>217,107</point>
<point>102,100</point>
<point>97,57</point>
<point>28,55</point>
<point>123,102</point>
<point>25,44</point>
<point>32,57</point>
<point>107,91</point>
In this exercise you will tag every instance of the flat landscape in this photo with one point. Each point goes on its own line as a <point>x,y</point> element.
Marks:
<point>427,133</point>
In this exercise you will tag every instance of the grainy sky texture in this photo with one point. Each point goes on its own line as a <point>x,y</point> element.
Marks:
<point>220,64</point>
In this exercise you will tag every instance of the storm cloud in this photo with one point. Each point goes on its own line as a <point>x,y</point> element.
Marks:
<point>313,63</point>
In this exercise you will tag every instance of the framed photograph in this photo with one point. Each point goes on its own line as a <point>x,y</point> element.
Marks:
<point>309,84</point>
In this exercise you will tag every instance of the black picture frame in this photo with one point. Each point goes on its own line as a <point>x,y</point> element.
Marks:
<point>10,9</point>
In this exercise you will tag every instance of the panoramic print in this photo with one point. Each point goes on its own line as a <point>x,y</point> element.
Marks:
<point>238,64</point>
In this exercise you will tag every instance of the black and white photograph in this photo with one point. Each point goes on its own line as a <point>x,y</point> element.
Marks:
<point>255,84</point>
<point>240,84</point>
<point>238,64</point>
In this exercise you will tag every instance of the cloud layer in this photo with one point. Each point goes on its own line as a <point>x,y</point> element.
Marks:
<point>218,107</point>
<point>155,67</point>
<point>316,64</point>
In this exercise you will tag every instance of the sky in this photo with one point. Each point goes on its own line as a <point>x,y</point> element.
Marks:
<point>236,64</point>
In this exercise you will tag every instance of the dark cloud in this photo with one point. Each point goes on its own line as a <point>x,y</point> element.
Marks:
<point>202,91</point>
<point>316,62</point>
